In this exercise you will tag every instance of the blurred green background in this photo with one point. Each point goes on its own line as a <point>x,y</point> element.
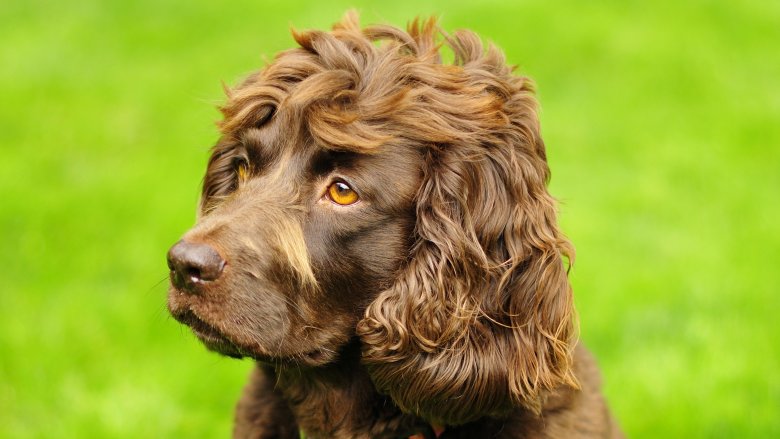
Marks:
<point>662,121</point>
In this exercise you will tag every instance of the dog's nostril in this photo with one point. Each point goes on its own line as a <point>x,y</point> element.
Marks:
<point>193,263</point>
<point>193,274</point>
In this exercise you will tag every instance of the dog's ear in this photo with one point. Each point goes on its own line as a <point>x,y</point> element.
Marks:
<point>480,319</point>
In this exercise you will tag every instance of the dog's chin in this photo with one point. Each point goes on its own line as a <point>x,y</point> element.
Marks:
<point>314,358</point>
<point>211,337</point>
<point>216,341</point>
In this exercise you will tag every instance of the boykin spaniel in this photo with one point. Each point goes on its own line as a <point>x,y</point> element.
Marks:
<point>375,232</point>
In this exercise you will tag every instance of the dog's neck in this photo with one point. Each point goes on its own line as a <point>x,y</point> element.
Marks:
<point>339,400</point>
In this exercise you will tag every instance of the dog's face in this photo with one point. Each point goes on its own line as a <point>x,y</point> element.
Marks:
<point>363,189</point>
<point>306,237</point>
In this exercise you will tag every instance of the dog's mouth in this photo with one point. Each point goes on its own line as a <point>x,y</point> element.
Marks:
<point>209,335</point>
<point>216,341</point>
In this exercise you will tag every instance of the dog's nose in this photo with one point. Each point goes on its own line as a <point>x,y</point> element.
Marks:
<point>192,264</point>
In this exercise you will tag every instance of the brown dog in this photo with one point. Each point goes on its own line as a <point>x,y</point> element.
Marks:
<point>377,234</point>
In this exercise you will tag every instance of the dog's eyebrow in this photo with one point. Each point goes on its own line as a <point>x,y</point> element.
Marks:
<point>344,159</point>
<point>325,160</point>
<point>321,163</point>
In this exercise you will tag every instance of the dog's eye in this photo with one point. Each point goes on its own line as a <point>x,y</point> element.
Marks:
<point>242,172</point>
<point>242,169</point>
<point>340,193</point>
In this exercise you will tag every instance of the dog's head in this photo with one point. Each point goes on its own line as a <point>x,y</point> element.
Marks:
<point>363,188</point>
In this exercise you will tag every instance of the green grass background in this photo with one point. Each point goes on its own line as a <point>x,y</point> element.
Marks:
<point>662,125</point>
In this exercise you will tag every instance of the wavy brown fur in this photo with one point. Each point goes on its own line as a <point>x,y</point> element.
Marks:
<point>466,317</point>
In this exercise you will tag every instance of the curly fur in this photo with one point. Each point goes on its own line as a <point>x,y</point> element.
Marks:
<point>463,316</point>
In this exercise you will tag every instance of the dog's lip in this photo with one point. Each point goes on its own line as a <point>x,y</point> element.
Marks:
<point>217,341</point>
<point>208,334</point>
<point>202,328</point>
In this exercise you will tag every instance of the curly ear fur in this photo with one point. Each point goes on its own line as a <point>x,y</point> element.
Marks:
<point>480,320</point>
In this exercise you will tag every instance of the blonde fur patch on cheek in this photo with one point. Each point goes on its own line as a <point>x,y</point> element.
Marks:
<point>292,245</point>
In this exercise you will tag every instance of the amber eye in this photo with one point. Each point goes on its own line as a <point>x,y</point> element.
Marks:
<point>342,194</point>
<point>242,170</point>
